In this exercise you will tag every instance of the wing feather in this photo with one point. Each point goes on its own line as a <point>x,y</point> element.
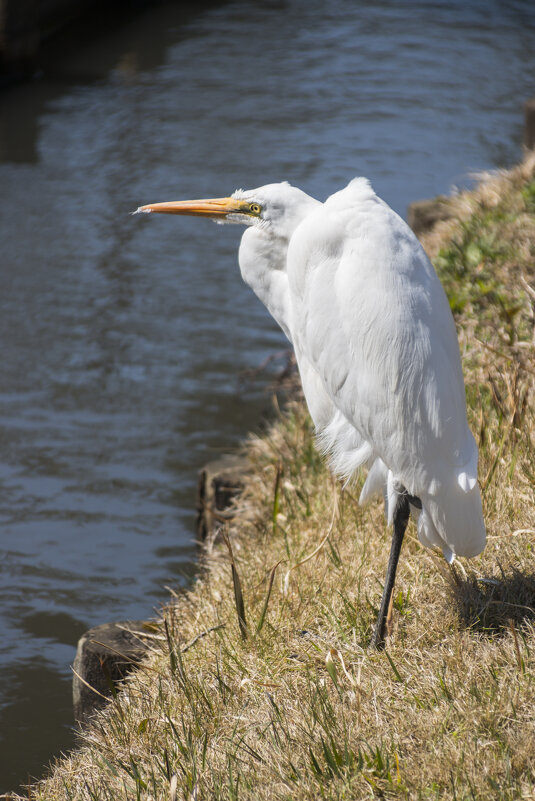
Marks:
<point>371,319</point>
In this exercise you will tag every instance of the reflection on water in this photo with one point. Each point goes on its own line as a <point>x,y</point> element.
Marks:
<point>122,338</point>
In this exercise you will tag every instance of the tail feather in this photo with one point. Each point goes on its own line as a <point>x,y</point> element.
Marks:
<point>455,517</point>
<point>451,517</point>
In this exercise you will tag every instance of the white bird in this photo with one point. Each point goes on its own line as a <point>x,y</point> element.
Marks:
<point>377,351</point>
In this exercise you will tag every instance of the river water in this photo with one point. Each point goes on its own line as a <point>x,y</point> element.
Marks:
<point>123,337</point>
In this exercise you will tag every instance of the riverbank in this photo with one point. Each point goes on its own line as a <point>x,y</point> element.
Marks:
<point>259,683</point>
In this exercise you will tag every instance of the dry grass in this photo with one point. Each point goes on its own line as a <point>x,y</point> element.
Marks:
<point>287,703</point>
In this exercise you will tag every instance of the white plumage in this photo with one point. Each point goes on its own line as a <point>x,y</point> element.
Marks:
<point>377,351</point>
<point>375,342</point>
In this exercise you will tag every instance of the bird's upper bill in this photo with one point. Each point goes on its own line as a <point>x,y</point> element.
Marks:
<point>216,208</point>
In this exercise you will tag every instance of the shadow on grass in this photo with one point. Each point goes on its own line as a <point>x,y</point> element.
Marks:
<point>490,605</point>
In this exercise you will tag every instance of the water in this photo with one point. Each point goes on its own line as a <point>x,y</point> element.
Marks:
<point>123,337</point>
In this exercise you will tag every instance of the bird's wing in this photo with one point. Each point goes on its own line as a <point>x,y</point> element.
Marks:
<point>370,316</point>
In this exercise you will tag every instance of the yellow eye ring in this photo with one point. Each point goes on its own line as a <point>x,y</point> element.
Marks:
<point>254,208</point>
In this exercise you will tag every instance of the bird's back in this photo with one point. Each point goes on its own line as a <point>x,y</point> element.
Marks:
<point>376,341</point>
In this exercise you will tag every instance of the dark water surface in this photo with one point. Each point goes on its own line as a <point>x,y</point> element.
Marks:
<point>122,337</point>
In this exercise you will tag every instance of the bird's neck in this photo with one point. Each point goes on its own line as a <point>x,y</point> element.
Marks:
<point>262,259</point>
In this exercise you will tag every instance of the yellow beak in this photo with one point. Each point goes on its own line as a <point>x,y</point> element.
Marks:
<point>215,207</point>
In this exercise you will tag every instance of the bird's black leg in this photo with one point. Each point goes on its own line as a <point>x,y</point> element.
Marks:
<point>401,518</point>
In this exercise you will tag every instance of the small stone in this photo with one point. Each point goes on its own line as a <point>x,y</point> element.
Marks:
<point>105,655</point>
<point>422,215</point>
<point>219,483</point>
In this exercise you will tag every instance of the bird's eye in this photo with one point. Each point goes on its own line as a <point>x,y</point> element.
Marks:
<point>254,208</point>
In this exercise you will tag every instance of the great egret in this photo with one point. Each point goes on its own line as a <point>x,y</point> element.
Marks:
<point>376,347</point>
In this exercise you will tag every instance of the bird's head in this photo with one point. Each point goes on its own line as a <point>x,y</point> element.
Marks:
<point>279,207</point>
